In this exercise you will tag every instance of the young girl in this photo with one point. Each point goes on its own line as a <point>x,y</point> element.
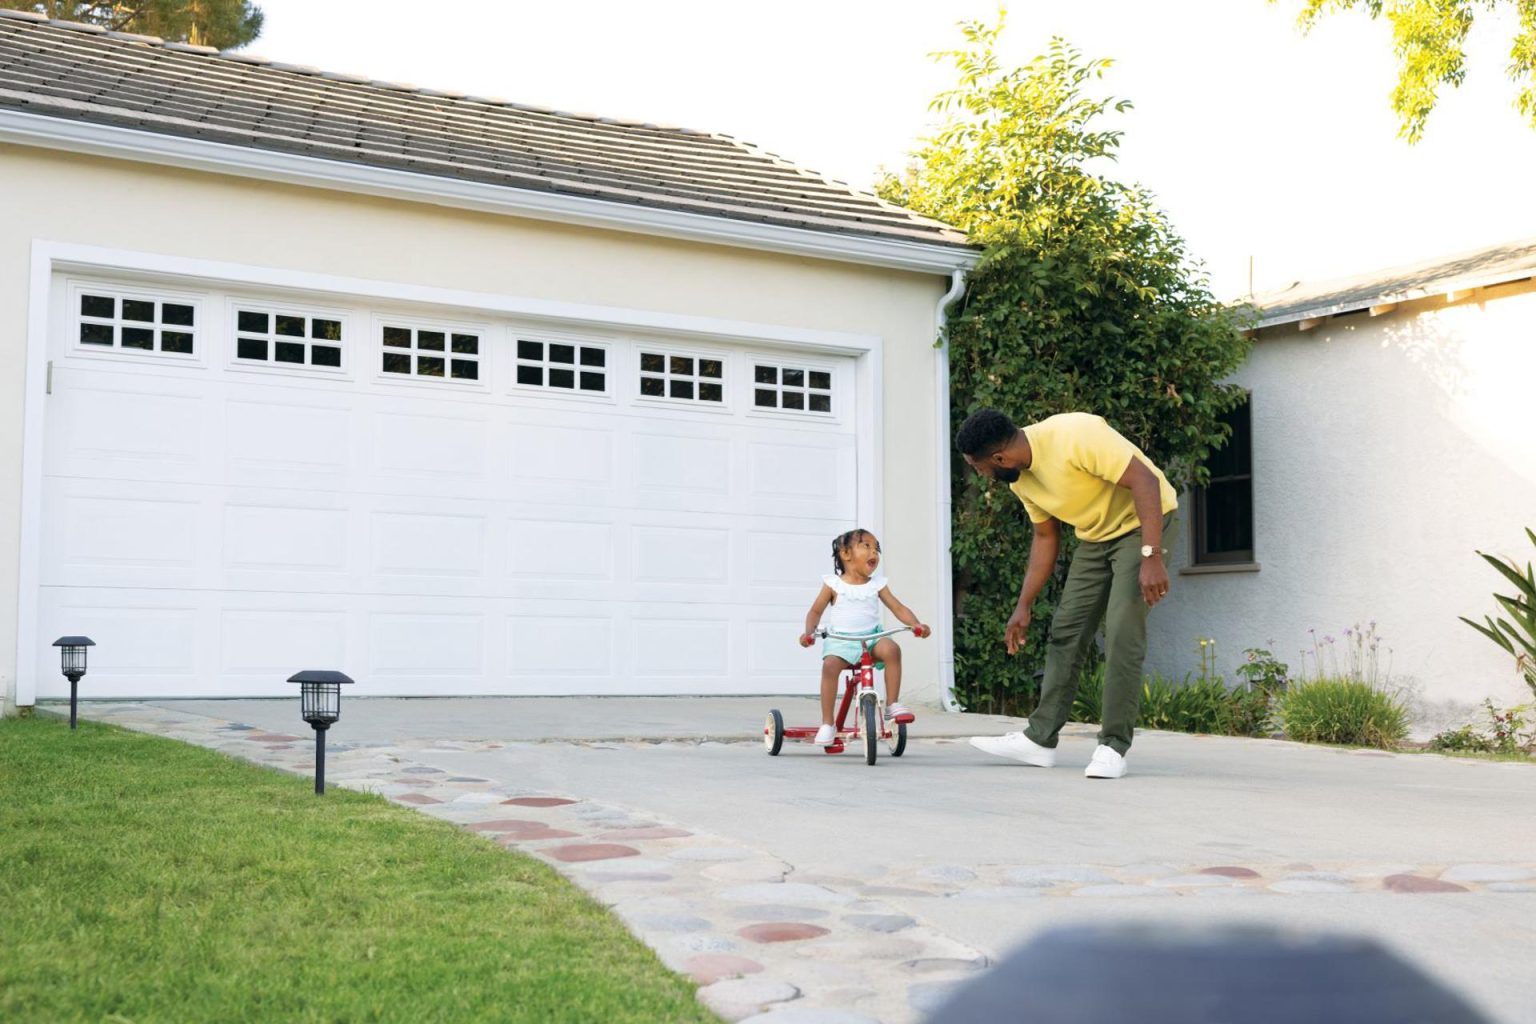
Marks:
<point>854,595</point>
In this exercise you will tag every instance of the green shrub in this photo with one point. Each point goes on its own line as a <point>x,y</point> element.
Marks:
<point>1191,706</point>
<point>1516,634</point>
<point>1464,740</point>
<point>1088,705</point>
<point>1348,711</point>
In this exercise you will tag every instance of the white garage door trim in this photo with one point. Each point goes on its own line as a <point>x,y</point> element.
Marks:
<point>46,302</point>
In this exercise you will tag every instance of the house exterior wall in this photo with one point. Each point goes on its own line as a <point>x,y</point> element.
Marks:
<point>1385,450</point>
<point>122,205</point>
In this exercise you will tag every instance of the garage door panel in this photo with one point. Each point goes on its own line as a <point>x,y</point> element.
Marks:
<point>285,539</point>
<point>681,471</point>
<point>113,432</point>
<point>423,644</point>
<point>452,453</point>
<point>154,639</point>
<point>421,544</point>
<point>774,654</point>
<point>562,646</point>
<point>273,644</point>
<point>542,550</point>
<point>288,444</point>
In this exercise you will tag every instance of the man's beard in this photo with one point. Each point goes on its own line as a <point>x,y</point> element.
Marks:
<point>1007,476</point>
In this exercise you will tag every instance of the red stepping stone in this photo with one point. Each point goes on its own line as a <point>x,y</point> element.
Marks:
<point>655,832</point>
<point>416,798</point>
<point>575,852</point>
<point>1418,883</point>
<point>780,931</point>
<point>538,801</point>
<point>708,968</point>
<point>1230,872</point>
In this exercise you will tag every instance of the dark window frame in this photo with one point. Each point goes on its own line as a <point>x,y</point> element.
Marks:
<point>1240,478</point>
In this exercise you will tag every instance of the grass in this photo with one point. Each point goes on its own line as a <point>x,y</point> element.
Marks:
<point>145,880</point>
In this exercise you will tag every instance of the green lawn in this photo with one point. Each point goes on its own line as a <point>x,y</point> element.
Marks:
<point>146,880</point>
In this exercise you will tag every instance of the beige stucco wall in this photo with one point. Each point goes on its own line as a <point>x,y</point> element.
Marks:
<point>67,198</point>
<point>1385,450</point>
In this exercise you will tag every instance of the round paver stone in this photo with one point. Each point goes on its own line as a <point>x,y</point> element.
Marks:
<point>781,931</point>
<point>712,853</point>
<point>1119,890</point>
<point>739,997</point>
<point>671,923</point>
<point>1296,886</point>
<point>1191,881</point>
<point>1229,871</point>
<point>1487,873</point>
<point>702,942</point>
<point>880,922</point>
<point>947,873</point>
<point>578,852</point>
<point>653,832</point>
<point>808,1015</point>
<point>1418,883</point>
<point>768,912</point>
<point>783,892</point>
<point>1048,876</point>
<point>865,949</point>
<point>708,968</point>
<point>1512,886</point>
<point>538,801</point>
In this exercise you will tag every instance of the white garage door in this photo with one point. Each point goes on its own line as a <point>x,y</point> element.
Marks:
<point>238,486</point>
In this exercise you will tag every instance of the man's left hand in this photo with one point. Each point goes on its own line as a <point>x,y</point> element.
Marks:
<point>1154,580</point>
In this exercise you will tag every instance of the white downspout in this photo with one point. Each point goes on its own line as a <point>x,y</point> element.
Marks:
<point>945,624</point>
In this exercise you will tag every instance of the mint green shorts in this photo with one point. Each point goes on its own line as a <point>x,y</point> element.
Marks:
<point>849,650</point>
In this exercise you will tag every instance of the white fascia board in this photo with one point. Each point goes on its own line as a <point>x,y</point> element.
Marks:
<point>1429,290</point>
<point>269,165</point>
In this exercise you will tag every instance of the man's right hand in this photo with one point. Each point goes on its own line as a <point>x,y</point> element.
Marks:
<point>1017,630</point>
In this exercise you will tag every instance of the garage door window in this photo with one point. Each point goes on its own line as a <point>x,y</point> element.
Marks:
<point>683,377</point>
<point>791,388</point>
<point>562,366</point>
<point>427,352</point>
<point>136,323</point>
<point>278,338</point>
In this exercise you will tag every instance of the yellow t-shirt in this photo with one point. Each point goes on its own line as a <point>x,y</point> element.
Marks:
<point>1076,461</point>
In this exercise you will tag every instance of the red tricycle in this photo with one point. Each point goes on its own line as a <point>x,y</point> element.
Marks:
<point>869,724</point>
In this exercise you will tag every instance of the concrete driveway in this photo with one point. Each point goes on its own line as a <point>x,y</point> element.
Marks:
<point>811,888</point>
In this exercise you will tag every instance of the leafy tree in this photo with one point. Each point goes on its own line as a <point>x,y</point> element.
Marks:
<point>226,24</point>
<point>1084,299</point>
<point>1428,38</point>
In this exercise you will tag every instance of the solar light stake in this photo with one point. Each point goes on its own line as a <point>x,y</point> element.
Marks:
<point>320,705</point>
<point>72,664</point>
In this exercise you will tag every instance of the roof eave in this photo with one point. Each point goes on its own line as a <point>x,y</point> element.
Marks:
<point>270,165</point>
<point>1427,290</point>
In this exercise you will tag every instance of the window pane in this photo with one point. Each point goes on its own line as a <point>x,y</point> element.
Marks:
<point>593,381</point>
<point>821,403</point>
<point>794,400</point>
<point>465,369</point>
<point>325,355</point>
<point>651,362</point>
<point>562,353</point>
<point>765,398</point>
<point>176,314</point>
<point>531,350</point>
<point>290,326</point>
<point>252,348</point>
<point>682,389</point>
<point>397,337</point>
<point>682,366</point>
<point>138,337</point>
<point>794,378</point>
<point>821,380</point>
<point>562,378</point>
<point>429,366</point>
<point>431,341</point>
<point>1233,457</point>
<point>530,375</point>
<point>466,344</point>
<point>96,334</point>
<point>176,341</point>
<point>254,322</point>
<point>325,330</point>
<point>397,362</point>
<point>288,352</point>
<point>98,305</point>
<point>766,375</point>
<point>593,357</point>
<point>711,393</point>
<point>711,368</point>
<point>654,386</point>
<point>140,310</point>
<point>1229,517</point>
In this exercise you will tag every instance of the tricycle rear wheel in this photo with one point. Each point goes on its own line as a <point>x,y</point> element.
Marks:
<point>773,733</point>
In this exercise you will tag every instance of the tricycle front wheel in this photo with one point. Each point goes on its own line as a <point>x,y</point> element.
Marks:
<point>773,733</point>
<point>871,712</point>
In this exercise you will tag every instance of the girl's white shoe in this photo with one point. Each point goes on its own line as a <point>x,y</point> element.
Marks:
<point>825,735</point>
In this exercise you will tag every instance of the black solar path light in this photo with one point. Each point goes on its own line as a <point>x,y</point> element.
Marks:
<point>72,664</point>
<point>320,705</point>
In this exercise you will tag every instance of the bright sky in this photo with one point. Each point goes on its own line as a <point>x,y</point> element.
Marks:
<point>1259,142</point>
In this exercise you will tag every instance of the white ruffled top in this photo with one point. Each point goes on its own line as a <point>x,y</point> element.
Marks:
<point>857,608</point>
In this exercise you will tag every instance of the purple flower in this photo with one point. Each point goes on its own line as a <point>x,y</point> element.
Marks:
<point>1327,639</point>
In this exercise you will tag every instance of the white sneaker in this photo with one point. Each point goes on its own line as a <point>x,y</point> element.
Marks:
<point>1105,764</point>
<point>825,735</point>
<point>1017,746</point>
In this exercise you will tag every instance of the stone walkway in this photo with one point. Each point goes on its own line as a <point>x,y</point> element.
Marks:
<point>765,939</point>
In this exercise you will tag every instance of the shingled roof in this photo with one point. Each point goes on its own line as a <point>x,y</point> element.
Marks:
<point>1479,268</point>
<point>144,84</point>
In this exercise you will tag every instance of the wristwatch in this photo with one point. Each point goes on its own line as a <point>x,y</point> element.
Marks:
<point>1147,551</point>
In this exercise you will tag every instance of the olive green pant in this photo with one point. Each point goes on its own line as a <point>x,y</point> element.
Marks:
<point>1103,584</point>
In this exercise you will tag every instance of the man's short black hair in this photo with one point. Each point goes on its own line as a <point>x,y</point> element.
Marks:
<point>984,432</point>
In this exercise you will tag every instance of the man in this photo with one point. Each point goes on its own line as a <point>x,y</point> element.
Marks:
<point>1075,468</point>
